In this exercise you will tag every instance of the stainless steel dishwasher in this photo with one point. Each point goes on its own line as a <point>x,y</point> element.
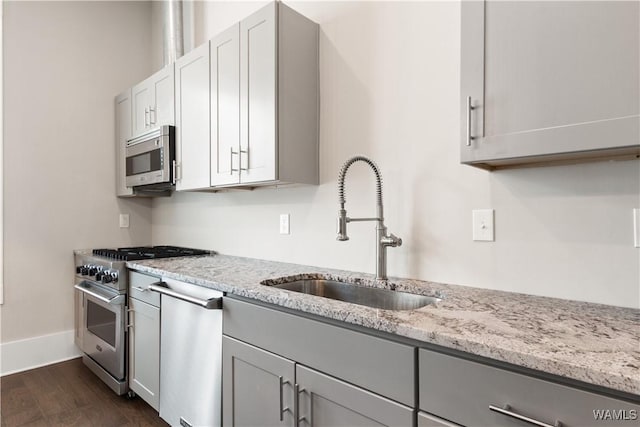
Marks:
<point>190,354</point>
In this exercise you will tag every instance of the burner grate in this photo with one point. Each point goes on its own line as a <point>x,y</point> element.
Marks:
<point>148,252</point>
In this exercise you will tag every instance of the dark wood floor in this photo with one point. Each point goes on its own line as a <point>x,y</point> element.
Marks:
<point>68,394</point>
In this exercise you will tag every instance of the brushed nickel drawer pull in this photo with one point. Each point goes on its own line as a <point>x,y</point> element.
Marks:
<point>509,413</point>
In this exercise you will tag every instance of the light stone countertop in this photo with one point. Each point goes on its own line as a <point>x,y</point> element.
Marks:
<point>594,343</point>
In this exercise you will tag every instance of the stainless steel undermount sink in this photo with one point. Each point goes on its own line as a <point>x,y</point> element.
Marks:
<point>356,294</point>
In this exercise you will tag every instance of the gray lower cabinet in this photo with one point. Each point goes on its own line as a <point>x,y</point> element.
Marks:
<point>474,394</point>
<point>283,369</point>
<point>263,389</point>
<point>257,386</point>
<point>325,401</point>
<point>428,420</point>
<point>278,366</point>
<point>144,339</point>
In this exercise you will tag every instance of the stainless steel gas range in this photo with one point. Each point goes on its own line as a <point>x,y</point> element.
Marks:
<point>100,283</point>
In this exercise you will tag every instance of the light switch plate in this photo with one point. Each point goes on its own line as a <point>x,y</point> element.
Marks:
<point>284,224</point>
<point>483,225</point>
<point>124,220</point>
<point>636,228</point>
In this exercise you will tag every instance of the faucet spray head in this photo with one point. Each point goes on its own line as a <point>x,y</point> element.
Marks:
<point>342,226</point>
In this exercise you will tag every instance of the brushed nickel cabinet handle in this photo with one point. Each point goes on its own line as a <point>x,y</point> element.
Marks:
<point>146,113</point>
<point>469,109</point>
<point>296,405</point>
<point>240,157</point>
<point>282,409</point>
<point>509,413</point>
<point>231,153</point>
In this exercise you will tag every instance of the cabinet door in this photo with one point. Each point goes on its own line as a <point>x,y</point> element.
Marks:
<point>258,139</point>
<point>192,115</point>
<point>225,107</point>
<point>123,133</point>
<point>327,401</point>
<point>161,86</point>
<point>144,351</point>
<point>140,103</point>
<point>428,420</point>
<point>549,80</point>
<point>257,386</point>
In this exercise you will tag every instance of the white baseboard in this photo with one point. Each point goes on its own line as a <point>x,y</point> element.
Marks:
<point>22,355</point>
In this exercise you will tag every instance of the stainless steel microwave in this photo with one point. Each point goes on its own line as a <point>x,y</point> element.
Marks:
<point>150,158</point>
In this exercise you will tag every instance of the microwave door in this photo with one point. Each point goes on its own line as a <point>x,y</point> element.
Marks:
<point>145,164</point>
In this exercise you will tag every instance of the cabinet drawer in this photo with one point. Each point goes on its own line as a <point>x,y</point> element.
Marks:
<point>462,391</point>
<point>138,284</point>
<point>378,365</point>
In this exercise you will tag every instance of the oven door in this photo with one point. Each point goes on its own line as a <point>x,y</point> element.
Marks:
<point>102,326</point>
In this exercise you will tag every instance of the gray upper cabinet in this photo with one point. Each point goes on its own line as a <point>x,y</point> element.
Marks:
<point>123,133</point>
<point>152,102</point>
<point>225,107</point>
<point>192,119</point>
<point>264,100</point>
<point>545,82</point>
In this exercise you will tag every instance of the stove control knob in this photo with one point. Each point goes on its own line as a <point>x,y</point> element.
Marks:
<point>99,275</point>
<point>79,269</point>
<point>107,278</point>
<point>114,276</point>
<point>84,270</point>
<point>92,270</point>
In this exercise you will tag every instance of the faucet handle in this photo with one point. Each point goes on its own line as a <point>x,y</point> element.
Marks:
<point>391,240</point>
<point>341,226</point>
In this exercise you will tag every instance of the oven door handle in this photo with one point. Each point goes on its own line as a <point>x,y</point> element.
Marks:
<point>209,304</point>
<point>115,300</point>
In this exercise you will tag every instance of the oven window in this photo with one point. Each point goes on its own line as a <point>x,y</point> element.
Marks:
<point>101,322</point>
<point>145,162</point>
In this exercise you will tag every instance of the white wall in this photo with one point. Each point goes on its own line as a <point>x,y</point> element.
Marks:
<point>64,63</point>
<point>389,90</point>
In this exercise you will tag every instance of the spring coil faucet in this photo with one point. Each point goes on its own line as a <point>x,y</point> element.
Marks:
<point>382,239</point>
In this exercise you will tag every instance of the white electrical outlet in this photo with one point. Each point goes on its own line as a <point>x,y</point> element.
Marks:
<point>636,228</point>
<point>284,224</point>
<point>483,225</point>
<point>124,220</point>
